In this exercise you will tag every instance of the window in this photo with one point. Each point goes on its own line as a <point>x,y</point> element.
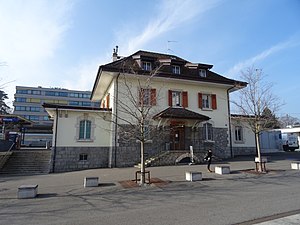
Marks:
<point>86,103</point>
<point>32,109</point>
<point>207,101</point>
<point>85,129</point>
<point>20,108</point>
<point>208,131</point>
<point>31,117</point>
<point>147,66</point>
<point>46,118</point>
<point>202,72</point>
<point>22,91</point>
<point>20,99</point>
<point>147,97</point>
<point>178,98</point>
<point>176,69</point>
<point>73,103</point>
<point>238,133</point>
<point>83,157</point>
<point>86,95</point>
<point>35,92</point>
<point>63,94</point>
<point>50,93</point>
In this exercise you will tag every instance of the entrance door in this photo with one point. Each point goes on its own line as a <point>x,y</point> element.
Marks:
<point>177,137</point>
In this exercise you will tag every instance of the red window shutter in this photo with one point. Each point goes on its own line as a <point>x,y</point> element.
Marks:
<point>141,96</point>
<point>213,101</point>
<point>153,97</point>
<point>200,100</point>
<point>107,101</point>
<point>170,98</point>
<point>185,99</point>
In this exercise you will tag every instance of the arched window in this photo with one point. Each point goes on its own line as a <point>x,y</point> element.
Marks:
<point>85,127</point>
<point>208,131</point>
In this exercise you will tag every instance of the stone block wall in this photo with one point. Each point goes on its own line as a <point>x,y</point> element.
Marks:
<point>239,151</point>
<point>68,158</point>
<point>219,145</point>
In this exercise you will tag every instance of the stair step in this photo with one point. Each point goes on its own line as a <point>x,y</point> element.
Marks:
<point>27,162</point>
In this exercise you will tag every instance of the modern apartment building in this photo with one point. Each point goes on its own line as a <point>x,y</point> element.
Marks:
<point>29,100</point>
<point>28,104</point>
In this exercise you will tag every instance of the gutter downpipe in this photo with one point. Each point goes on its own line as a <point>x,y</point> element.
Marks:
<point>229,123</point>
<point>55,140</point>
<point>116,119</point>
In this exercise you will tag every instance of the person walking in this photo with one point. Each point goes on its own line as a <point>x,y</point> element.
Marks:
<point>208,158</point>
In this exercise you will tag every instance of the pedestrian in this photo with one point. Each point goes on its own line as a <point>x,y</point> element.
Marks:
<point>208,158</point>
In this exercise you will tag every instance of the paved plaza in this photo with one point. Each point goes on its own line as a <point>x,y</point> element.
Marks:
<point>241,197</point>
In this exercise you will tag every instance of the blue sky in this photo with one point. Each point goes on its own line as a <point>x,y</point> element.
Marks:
<point>61,43</point>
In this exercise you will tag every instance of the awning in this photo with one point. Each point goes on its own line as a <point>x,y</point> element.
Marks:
<point>180,113</point>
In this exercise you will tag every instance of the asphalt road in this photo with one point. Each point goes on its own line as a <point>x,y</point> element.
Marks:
<point>241,197</point>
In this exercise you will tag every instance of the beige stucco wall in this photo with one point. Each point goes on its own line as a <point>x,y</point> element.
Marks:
<point>68,129</point>
<point>219,117</point>
<point>248,135</point>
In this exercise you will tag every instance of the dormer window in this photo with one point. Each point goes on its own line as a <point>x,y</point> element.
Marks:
<point>176,69</point>
<point>202,72</point>
<point>147,66</point>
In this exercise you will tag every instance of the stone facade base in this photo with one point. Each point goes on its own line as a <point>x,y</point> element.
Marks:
<point>239,151</point>
<point>79,158</point>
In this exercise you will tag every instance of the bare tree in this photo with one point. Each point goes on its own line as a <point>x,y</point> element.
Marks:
<point>135,109</point>
<point>288,120</point>
<point>253,101</point>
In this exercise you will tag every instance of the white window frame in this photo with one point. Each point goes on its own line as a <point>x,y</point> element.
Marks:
<point>208,131</point>
<point>202,72</point>
<point>145,97</point>
<point>238,134</point>
<point>176,69</point>
<point>206,101</point>
<point>85,117</point>
<point>146,65</point>
<point>83,157</point>
<point>87,129</point>
<point>177,98</point>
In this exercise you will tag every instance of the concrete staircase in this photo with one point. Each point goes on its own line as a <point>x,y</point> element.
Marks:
<point>167,158</point>
<point>27,162</point>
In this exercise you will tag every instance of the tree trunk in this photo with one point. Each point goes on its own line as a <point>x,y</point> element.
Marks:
<point>260,167</point>
<point>142,180</point>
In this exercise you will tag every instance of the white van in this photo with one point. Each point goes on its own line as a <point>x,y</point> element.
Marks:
<point>289,141</point>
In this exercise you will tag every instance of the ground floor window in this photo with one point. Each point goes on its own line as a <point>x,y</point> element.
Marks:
<point>83,157</point>
<point>238,133</point>
<point>85,129</point>
<point>208,131</point>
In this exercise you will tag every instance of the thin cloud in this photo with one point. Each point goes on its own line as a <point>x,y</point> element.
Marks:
<point>85,74</point>
<point>171,14</point>
<point>236,69</point>
<point>31,32</point>
<point>169,17</point>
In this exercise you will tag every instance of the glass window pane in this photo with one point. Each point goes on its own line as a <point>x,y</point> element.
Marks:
<point>81,129</point>
<point>88,129</point>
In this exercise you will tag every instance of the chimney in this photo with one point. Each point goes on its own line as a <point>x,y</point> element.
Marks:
<point>115,54</point>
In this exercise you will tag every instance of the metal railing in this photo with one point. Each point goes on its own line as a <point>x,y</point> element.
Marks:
<point>4,158</point>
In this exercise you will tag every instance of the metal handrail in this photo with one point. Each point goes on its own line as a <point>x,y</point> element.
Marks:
<point>6,154</point>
